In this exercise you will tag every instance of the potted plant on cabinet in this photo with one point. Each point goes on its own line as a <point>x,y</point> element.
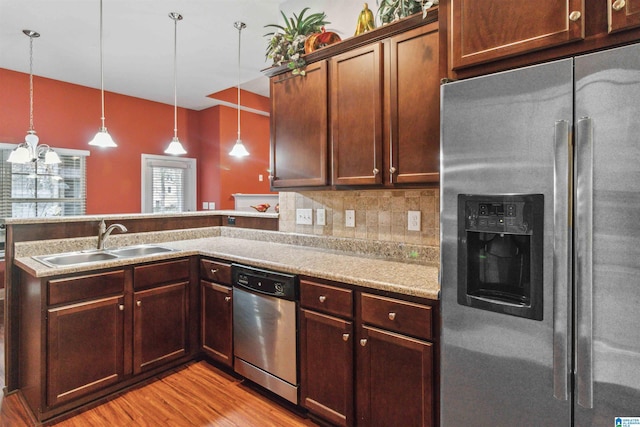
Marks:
<point>286,45</point>
<point>392,10</point>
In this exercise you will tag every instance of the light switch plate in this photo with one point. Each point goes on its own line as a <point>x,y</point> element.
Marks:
<point>349,218</point>
<point>413,221</point>
<point>304,216</point>
<point>205,205</point>
<point>321,218</point>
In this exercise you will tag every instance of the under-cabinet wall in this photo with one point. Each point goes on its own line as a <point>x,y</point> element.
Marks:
<point>379,214</point>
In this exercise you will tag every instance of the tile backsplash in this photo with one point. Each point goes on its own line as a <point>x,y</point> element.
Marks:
<point>379,214</point>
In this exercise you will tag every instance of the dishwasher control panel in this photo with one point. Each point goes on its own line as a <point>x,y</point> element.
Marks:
<point>280,285</point>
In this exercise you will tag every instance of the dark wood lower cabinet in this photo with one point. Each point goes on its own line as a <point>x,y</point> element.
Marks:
<point>159,325</point>
<point>85,350</point>
<point>217,327</point>
<point>395,380</point>
<point>326,359</point>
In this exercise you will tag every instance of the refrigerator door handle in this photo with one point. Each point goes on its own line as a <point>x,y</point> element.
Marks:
<point>583,262</point>
<point>561,260</point>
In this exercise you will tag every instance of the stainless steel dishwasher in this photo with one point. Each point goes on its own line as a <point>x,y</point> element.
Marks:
<point>265,329</point>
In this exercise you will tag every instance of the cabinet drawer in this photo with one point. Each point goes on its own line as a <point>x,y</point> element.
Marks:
<point>396,315</point>
<point>327,299</point>
<point>87,287</point>
<point>145,276</point>
<point>215,271</point>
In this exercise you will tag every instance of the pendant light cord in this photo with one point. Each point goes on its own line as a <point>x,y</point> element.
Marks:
<point>31,82</point>
<point>239,26</point>
<point>175,75</point>
<point>101,71</point>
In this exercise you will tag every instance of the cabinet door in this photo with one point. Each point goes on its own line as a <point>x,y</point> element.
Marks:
<point>415,106</point>
<point>623,14</point>
<point>217,332</point>
<point>159,325</point>
<point>326,367</point>
<point>483,31</point>
<point>85,351</point>
<point>299,128</point>
<point>395,380</point>
<point>356,116</point>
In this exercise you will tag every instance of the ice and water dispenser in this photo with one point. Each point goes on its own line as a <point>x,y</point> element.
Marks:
<point>500,242</point>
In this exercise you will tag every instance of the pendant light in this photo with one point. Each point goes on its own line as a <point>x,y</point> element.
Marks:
<point>30,151</point>
<point>175,147</point>
<point>102,138</point>
<point>239,149</point>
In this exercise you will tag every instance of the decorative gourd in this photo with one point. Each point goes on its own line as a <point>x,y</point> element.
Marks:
<point>317,40</point>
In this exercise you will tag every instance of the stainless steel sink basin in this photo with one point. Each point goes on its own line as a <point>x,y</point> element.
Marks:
<point>93,256</point>
<point>142,250</point>
<point>73,258</point>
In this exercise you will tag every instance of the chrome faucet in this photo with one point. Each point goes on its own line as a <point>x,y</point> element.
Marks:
<point>104,232</point>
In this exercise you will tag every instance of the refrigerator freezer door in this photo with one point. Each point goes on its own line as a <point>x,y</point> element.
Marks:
<point>608,94</point>
<point>498,137</point>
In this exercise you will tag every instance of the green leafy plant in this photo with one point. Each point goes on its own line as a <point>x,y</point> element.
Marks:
<point>391,10</point>
<point>286,42</point>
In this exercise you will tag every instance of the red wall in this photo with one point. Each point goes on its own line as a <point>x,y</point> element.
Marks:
<point>67,116</point>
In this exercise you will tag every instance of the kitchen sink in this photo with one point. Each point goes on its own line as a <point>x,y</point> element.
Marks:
<point>142,250</point>
<point>94,256</point>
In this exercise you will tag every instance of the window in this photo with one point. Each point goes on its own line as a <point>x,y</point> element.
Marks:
<point>168,184</point>
<point>39,190</point>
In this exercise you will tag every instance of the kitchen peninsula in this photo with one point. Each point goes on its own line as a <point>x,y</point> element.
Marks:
<point>375,276</point>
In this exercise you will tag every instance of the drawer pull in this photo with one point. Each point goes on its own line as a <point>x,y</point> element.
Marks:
<point>618,5</point>
<point>121,307</point>
<point>214,270</point>
<point>575,15</point>
<point>227,298</point>
<point>139,303</point>
<point>363,342</point>
<point>322,298</point>
<point>345,337</point>
<point>392,315</point>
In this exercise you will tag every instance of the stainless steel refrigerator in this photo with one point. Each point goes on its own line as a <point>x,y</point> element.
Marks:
<point>540,244</point>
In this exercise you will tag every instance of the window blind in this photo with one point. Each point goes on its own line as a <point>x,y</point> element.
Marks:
<point>39,190</point>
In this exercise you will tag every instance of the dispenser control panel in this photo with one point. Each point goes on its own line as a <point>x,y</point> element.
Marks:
<point>496,216</point>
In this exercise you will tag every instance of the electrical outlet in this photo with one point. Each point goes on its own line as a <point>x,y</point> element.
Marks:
<point>260,177</point>
<point>349,218</point>
<point>413,221</point>
<point>212,205</point>
<point>304,216</point>
<point>205,205</point>
<point>321,218</point>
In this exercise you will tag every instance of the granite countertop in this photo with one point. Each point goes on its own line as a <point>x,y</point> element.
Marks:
<point>271,250</point>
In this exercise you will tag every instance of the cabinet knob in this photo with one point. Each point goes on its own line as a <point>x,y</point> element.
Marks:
<point>345,337</point>
<point>575,15</point>
<point>392,170</point>
<point>139,303</point>
<point>392,315</point>
<point>376,171</point>
<point>214,270</point>
<point>363,342</point>
<point>322,298</point>
<point>121,307</point>
<point>227,298</point>
<point>618,5</point>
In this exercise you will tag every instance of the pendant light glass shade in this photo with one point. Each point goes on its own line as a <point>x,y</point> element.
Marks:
<point>175,147</point>
<point>102,138</point>
<point>239,149</point>
<point>29,150</point>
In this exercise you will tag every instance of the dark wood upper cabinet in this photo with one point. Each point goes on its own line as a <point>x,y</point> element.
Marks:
<point>623,14</point>
<point>495,35</point>
<point>492,29</point>
<point>414,118</point>
<point>356,116</point>
<point>299,128</point>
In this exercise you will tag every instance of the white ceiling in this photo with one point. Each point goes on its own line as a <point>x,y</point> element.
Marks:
<point>138,43</point>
